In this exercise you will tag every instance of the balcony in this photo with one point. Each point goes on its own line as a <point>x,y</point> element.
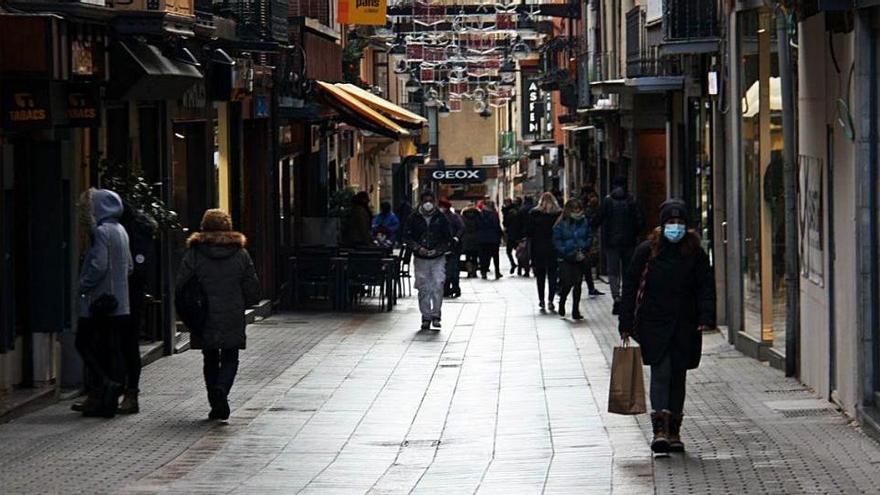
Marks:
<point>687,20</point>
<point>177,7</point>
<point>648,69</point>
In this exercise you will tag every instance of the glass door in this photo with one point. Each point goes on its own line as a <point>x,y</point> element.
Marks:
<point>762,191</point>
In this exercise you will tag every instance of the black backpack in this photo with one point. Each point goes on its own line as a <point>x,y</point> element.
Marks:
<point>191,303</point>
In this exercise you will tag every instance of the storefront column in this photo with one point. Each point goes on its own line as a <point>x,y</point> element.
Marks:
<point>224,145</point>
<point>866,201</point>
<point>733,184</point>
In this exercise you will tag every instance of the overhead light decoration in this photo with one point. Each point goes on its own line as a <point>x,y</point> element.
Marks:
<point>412,86</point>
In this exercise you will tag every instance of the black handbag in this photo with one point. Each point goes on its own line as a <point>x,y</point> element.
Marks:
<point>104,305</point>
<point>191,302</point>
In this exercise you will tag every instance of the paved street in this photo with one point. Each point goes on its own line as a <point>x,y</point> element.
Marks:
<point>503,400</point>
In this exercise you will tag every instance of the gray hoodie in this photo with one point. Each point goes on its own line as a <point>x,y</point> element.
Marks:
<point>107,263</point>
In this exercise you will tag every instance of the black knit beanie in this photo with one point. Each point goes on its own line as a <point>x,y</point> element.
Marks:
<point>673,208</point>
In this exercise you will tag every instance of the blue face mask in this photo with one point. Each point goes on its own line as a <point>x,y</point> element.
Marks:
<point>674,232</point>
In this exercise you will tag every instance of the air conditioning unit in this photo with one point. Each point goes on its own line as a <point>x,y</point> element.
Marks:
<point>179,7</point>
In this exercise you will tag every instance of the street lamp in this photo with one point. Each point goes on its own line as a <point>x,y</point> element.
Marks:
<point>412,85</point>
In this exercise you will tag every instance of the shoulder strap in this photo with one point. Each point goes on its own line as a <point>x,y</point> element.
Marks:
<point>640,294</point>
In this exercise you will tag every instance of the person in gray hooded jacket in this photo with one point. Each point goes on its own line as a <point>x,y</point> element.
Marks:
<point>104,274</point>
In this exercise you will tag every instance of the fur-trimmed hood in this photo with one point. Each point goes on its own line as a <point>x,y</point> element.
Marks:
<point>217,244</point>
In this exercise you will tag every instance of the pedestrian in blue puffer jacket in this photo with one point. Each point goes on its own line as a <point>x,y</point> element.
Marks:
<point>572,238</point>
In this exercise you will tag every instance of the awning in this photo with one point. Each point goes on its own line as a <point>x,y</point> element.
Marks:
<point>359,114</point>
<point>395,112</point>
<point>655,84</point>
<point>577,128</point>
<point>141,71</point>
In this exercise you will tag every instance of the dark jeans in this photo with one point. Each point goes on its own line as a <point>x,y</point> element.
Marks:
<point>220,367</point>
<point>547,270</point>
<point>472,259</point>
<point>510,247</point>
<point>131,335</point>
<point>618,262</point>
<point>489,253</point>
<point>667,386</point>
<point>588,275</point>
<point>571,276</point>
<point>453,273</point>
<point>97,341</point>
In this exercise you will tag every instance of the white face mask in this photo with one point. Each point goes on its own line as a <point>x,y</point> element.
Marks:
<point>428,206</point>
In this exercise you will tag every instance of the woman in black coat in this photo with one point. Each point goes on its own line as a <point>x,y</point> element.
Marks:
<point>539,232</point>
<point>470,242</point>
<point>216,255</point>
<point>668,301</point>
<point>490,234</point>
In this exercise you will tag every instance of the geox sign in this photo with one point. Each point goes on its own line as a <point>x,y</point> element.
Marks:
<point>459,175</point>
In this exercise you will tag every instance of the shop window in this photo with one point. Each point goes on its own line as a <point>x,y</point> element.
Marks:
<point>763,201</point>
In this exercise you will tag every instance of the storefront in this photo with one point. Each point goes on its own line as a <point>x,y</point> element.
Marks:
<point>762,197</point>
<point>51,71</point>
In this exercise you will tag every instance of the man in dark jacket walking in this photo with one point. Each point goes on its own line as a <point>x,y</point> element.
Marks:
<point>524,266</point>
<point>428,234</point>
<point>453,272</point>
<point>622,222</point>
<point>513,229</point>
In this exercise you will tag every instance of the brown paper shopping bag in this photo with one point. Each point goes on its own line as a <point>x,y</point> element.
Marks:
<point>626,395</point>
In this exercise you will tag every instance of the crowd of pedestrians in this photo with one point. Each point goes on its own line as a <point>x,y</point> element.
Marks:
<point>663,288</point>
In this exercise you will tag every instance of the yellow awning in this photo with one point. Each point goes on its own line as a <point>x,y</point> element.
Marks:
<point>381,104</point>
<point>354,105</point>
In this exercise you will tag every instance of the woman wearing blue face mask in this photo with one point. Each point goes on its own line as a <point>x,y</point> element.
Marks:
<point>668,301</point>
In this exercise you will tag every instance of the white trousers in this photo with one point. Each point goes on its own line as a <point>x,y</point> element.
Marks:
<point>430,275</point>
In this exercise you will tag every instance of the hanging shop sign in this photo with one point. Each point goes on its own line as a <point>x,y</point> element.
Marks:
<point>459,175</point>
<point>83,106</point>
<point>534,109</point>
<point>363,12</point>
<point>26,105</point>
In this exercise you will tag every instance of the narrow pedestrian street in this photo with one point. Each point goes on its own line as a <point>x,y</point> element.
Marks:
<point>502,400</point>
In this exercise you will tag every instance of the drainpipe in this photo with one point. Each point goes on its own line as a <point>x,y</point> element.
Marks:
<point>866,207</point>
<point>792,275</point>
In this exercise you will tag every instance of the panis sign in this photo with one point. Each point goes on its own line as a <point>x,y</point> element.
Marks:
<point>363,12</point>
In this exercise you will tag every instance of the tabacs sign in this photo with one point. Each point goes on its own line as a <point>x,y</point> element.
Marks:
<point>459,175</point>
<point>26,106</point>
<point>363,12</point>
<point>83,107</point>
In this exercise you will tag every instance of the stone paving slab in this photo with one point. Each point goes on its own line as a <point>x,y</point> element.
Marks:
<point>502,400</point>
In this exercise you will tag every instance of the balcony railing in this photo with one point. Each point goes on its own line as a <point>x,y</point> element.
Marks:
<point>685,20</point>
<point>605,67</point>
<point>643,59</point>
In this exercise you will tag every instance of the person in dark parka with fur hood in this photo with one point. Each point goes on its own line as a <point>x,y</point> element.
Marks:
<point>668,302</point>
<point>217,256</point>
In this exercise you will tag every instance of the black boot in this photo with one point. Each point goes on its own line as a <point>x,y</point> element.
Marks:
<point>219,403</point>
<point>562,307</point>
<point>576,312</point>
<point>107,403</point>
